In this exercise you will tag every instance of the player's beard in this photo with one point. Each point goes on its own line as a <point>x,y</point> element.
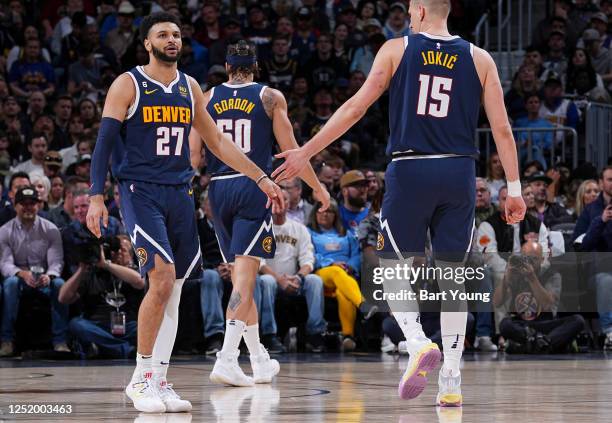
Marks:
<point>160,55</point>
<point>357,202</point>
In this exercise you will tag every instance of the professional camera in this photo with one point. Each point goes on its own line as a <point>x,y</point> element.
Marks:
<point>88,246</point>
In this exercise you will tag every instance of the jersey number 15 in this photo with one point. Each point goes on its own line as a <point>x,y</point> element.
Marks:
<point>437,98</point>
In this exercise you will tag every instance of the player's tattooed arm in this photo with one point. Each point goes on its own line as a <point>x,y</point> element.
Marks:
<point>269,101</point>
<point>234,301</point>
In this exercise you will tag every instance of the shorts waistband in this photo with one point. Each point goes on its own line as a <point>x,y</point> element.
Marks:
<point>414,155</point>
<point>225,175</point>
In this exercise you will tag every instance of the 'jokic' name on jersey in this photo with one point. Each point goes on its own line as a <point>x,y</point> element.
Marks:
<point>439,58</point>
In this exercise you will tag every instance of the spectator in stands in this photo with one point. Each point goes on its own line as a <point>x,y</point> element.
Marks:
<point>580,60</point>
<point>206,27</point>
<point>535,59</point>
<point>29,33</point>
<point>101,51</point>
<point>231,33</point>
<point>397,24</point>
<point>535,329</point>
<point>593,231</point>
<point>585,89</point>
<point>42,185</point>
<point>341,50</point>
<point>298,209</point>
<point>200,53</point>
<point>496,178</point>
<point>524,84</point>
<point>557,19</point>
<point>121,37</point>
<point>37,146</point>
<point>62,111</point>
<point>323,68</point>
<point>304,38</point>
<point>32,259</point>
<point>13,127</point>
<point>37,104</point>
<point>366,10</point>
<point>17,181</point>
<point>65,26</point>
<point>337,262</point>
<point>540,142</point>
<point>56,194</point>
<point>63,214</point>
<point>588,191</point>
<point>188,64</point>
<point>550,214</point>
<point>298,102</point>
<point>555,60</point>
<point>31,73</point>
<point>71,42</point>
<point>88,112</point>
<point>84,75</point>
<point>216,273</point>
<point>258,31</point>
<point>484,208</point>
<point>599,22</point>
<point>601,58</point>
<point>53,164</point>
<point>557,191</point>
<point>558,110</point>
<point>280,69</point>
<point>76,237</point>
<point>581,14</point>
<point>325,174</point>
<point>101,290</point>
<point>323,103</point>
<point>348,15</point>
<point>353,209</point>
<point>44,124</point>
<point>75,133</point>
<point>530,168</point>
<point>290,272</point>
<point>375,184</point>
<point>364,56</point>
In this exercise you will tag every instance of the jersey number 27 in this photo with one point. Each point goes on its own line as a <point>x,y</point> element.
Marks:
<point>437,98</point>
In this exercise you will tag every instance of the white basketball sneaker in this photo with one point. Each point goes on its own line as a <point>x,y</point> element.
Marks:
<point>172,400</point>
<point>144,394</point>
<point>227,371</point>
<point>449,393</point>
<point>264,367</point>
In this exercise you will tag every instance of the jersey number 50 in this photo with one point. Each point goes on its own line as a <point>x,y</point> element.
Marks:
<point>440,93</point>
<point>239,131</point>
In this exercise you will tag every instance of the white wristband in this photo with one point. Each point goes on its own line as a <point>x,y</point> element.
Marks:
<point>514,188</point>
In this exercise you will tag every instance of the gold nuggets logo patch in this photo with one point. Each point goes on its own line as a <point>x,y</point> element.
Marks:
<point>141,253</point>
<point>266,244</point>
<point>183,90</point>
<point>380,242</point>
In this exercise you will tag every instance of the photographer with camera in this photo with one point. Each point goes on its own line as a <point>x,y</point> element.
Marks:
<point>110,292</point>
<point>532,296</point>
<point>32,259</point>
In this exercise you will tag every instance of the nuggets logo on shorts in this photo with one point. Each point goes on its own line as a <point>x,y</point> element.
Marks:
<point>380,242</point>
<point>266,244</point>
<point>141,253</point>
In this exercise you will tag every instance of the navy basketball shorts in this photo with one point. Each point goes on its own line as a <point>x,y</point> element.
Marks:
<point>242,223</point>
<point>161,220</point>
<point>436,194</point>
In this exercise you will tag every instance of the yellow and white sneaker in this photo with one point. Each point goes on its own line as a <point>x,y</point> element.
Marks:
<point>144,394</point>
<point>449,393</point>
<point>420,363</point>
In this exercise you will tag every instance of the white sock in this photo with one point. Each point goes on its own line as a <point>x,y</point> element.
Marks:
<point>143,365</point>
<point>233,334</point>
<point>251,339</point>
<point>409,322</point>
<point>162,350</point>
<point>452,324</point>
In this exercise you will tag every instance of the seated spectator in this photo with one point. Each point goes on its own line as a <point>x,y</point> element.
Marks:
<point>110,306</point>
<point>541,142</point>
<point>364,56</point>
<point>37,146</point>
<point>56,194</point>
<point>32,73</point>
<point>32,259</point>
<point>484,208</point>
<point>258,31</point>
<point>580,60</point>
<point>548,213</point>
<point>42,185</point>
<point>525,82</point>
<point>558,110</point>
<point>599,22</point>
<point>496,177</point>
<point>375,183</point>
<point>558,190</point>
<point>535,59</point>
<point>304,36</point>
<point>588,191</point>
<point>324,68</point>
<point>290,272</point>
<point>555,60</point>
<point>585,89</point>
<point>188,64</point>
<point>63,214</point>
<point>298,209</point>
<point>29,33</point>
<point>13,127</point>
<point>531,168</point>
<point>17,181</point>
<point>84,75</point>
<point>207,29</point>
<point>593,231</point>
<point>121,37</point>
<point>337,262</point>
<point>601,58</point>
<point>279,69</point>
<point>397,25</point>
<point>534,329</point>
<point>52,165</point>
<point>354,207</point>
<point>88,112</point>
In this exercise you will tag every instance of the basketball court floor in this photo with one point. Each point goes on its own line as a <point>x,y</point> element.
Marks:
<point>325,388</point>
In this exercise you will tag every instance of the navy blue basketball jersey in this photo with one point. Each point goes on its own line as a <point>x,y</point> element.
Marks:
<point>434,97</point>
<point>155,134</point>
<point>240,114</point>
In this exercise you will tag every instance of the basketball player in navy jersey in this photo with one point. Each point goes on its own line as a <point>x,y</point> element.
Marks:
<point>147,118</point>
<point>254,116</point>
<point>436,82</point>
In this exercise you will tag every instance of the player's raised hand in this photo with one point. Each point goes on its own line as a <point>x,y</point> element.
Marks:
<point>515,209</point>
<point>295,161</point>
<point>97,210</point>
<point>322,196</point>
<point>274,193</point>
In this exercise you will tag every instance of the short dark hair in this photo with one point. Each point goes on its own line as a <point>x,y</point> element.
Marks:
<point>38,135</point>
<point>71,182</point>
<point>601,175</point>
<point>17,175</point>
<point>532,48</point>
<point>155,18</point>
